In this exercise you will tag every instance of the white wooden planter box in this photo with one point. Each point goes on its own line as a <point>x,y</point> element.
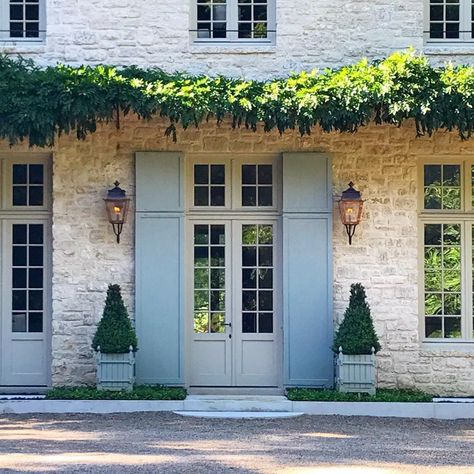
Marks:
<point>115,371</point>
<point>355,373</point>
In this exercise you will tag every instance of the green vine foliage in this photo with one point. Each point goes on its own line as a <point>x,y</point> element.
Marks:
<point>38,103</point>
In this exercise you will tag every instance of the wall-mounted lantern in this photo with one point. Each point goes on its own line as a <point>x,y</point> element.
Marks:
<point>350,209</point>
<point>116,204</point>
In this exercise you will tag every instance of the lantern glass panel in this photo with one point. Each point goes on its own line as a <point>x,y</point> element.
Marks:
<point>117,210</point>
<point>350,211</point>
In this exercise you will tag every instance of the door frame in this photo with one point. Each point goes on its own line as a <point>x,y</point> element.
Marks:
<point>21,214</point>
<point>231,220</point>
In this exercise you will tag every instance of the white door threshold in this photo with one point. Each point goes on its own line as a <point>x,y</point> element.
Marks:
<point>241,403</point>
<point>239,414</point>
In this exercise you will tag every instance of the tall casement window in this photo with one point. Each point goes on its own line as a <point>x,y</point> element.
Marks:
<point>447,231</point>
<point>234,21</point>
<point>22,20</point>
<point>449,20</point>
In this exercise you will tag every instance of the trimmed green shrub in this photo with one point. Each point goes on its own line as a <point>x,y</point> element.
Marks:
<point>356,334</point>
<point>115,333</point>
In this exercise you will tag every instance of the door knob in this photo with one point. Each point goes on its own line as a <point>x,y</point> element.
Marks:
<point>228,324</point>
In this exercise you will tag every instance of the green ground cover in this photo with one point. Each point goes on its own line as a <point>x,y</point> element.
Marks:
<point>140,392</point>
<point>382,395</point>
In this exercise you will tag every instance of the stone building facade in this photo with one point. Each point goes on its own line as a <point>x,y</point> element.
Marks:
<point>383,161</point>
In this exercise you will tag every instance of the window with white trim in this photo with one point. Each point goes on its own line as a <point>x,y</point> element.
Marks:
<point>22,20</point>
<point>447,224</point>
<point>237,21</point>
<point>220,184</point>
<point>449,21</point>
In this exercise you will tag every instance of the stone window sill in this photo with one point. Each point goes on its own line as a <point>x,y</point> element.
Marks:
<point>448,49</point>
<point>232,48</point>
<point>22,47</point>
<point>459,346</point>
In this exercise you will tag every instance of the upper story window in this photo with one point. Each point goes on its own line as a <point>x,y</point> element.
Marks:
<point>22,20</point>
<point>450,21</point>
<point>234,21</point>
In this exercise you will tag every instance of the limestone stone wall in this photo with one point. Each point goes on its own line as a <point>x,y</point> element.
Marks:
<point>310,33</point>
<point>381,160</point>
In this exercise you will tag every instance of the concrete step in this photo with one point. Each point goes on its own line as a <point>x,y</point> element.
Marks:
<point>237,403</point>
<point>239,414</point>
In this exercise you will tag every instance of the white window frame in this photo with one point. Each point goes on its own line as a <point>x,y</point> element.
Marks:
<point>233,182</point>
<point>232,26</point>
<point>5,24</point>
<point>465,35</point>
<point>465,217</point>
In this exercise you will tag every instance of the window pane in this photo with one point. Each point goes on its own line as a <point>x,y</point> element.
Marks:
<point>19,195</point>
<point>19,256</point>
<point>201,278</point>
<point>217,234</point>
<point>249,174</point>
<point>433,234</point>
<point>433,327</point>
<point>201,322</point>
<point>217,196</point>
<point>249,234</point>
<point>265,197</point>
<point>249,195</point>
<point>217,300</point>
<point>36,196</point>
<point>265,323</point>
<point>201,196</point>
<point>249,322</point>
<point>19,233</point>
<point>19,322</point>
<point>35,234</point>
<point>217,322</point>
<point>265,174</point>
<point>201,256</point>
<point>249,278</point>
<point>19,299</point>
<point>35,322</point>
<point>201,174</point>
<point>20,174</point>
<point>201,234</point>
<point>452,30</point>
<point>217,174</point>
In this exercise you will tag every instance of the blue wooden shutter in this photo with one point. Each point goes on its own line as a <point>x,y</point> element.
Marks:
<point>307,269</point>
<point>159,267</point>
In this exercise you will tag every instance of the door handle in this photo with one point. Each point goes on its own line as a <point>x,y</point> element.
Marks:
<point>228,324</point>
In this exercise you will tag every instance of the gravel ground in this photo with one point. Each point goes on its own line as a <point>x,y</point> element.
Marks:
<point>168,443</point>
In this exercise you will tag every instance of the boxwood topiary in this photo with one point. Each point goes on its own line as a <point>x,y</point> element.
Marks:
<point>115,333</point>
<point>356,334</point>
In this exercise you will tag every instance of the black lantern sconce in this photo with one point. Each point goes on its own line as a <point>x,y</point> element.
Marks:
<point>116,204</point>
<point>350,209</point>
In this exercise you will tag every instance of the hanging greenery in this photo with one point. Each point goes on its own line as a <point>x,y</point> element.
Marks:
<point>39,103</point>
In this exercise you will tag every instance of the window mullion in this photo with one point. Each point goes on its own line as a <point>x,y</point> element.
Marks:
<point>232,15</point>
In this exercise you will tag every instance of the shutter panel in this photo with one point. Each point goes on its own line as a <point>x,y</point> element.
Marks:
<point>159,263</point>
<point>307,269</point>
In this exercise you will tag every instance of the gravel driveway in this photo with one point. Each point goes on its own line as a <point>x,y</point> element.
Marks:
<point>164,442</point>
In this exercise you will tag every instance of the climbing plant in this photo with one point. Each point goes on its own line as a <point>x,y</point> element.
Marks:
<point>39,103</point>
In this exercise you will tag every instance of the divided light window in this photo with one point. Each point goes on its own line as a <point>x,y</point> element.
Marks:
<point>22,20</point>
<point>447,251</point>
<point>234,21</point>
<point>450,20</point>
